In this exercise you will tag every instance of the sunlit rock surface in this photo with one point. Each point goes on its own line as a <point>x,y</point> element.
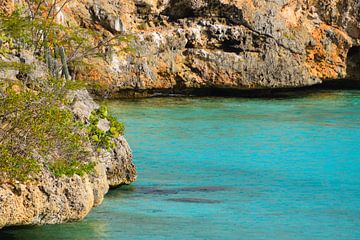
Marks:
<point>240,44</point>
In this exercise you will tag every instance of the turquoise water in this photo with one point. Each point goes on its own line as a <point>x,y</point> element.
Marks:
<point>226,168</point>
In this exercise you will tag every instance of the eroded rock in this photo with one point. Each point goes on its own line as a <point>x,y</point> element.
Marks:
<point>50,200</point>
<point>243,44</point>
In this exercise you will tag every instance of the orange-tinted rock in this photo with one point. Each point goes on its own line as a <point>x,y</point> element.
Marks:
<point>224,44</point>
<point>237,44</point>
<point>7,7</point>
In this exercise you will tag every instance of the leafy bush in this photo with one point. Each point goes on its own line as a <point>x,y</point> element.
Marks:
<point>35,129</point>
<point>100,138</point>
<point>70,168</point>
<point>117,128</point>
<point>13,165</point>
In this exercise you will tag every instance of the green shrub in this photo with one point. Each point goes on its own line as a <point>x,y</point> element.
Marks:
<point>117,128</point>
<point>36,127</point>
<point>33,27</point>
<point>22,67</point>
<point>14,165</point>
<point>100,138</point>
<point>70,168</point>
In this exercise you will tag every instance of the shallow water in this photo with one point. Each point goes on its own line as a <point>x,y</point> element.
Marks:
<point>225,168</point>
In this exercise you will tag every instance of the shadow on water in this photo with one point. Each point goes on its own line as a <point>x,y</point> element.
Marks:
<point>7,236</point>
<point>77,230</point>
<point>11,233</point>
<point>156,190</point>
<point>283,93</point>
<point>276,93</point>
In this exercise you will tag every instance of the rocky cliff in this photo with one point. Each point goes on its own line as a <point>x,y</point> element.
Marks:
<point>181,45</point>
<point>234,44</point>
<point>48,199</point>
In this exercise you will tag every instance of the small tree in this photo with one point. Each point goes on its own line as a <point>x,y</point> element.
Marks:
<point>35,27</point>
<point>36,128</point>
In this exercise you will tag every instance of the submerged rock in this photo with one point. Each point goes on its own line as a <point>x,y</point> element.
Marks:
<point>159,191</point>
<point>205,189</point>
<point>193,200</point>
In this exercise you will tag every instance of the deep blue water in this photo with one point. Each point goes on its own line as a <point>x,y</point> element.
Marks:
<point>227,168</point>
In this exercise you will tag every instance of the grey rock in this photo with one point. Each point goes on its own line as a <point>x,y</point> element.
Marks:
<point>52,200</point>
<point>254,44</point>
<point>39,71</point>
<point>81,104</point>
<point>119,166</point>
<point>8,73</point>
<point>107,18</point>
<point>104,125</point>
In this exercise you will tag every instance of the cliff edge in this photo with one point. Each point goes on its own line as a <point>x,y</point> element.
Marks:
<point>224,44</point>
<point>231,44</point>
<point>50,199</point>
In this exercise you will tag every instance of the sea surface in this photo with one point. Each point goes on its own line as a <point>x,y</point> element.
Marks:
<point>232,168</point>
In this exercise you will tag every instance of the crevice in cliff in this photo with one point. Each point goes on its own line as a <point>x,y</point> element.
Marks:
<point>232,46</point>
<point>215,9</point>
<point>353,64</point>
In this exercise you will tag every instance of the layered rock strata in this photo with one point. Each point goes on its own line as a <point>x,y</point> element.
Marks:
<point>231,44</point>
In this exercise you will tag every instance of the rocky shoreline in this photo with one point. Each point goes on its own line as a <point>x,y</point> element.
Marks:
<point>188,47</point>
<point>180,46</point>
<point>50,200</point>
<point>230,92</point>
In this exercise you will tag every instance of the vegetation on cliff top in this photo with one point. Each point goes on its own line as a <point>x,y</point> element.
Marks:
<point>37,129</point>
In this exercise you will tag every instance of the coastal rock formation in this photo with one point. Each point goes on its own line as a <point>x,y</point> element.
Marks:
<point>222,44</point>
<point>49,200</point>
<point>117,162</point>
<point>236,44</point>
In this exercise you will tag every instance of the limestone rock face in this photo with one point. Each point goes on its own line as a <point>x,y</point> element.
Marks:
<point>118,161</point>
<point>119,167</point>
<point>238,44</point>
<point>51,200</point>
<point>82,105</point>
<point>7,6</point>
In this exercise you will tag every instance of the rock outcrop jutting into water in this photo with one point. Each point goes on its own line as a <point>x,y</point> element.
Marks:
<point>234,44</point>
<point>49,199</point>
<point>179,45</point>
